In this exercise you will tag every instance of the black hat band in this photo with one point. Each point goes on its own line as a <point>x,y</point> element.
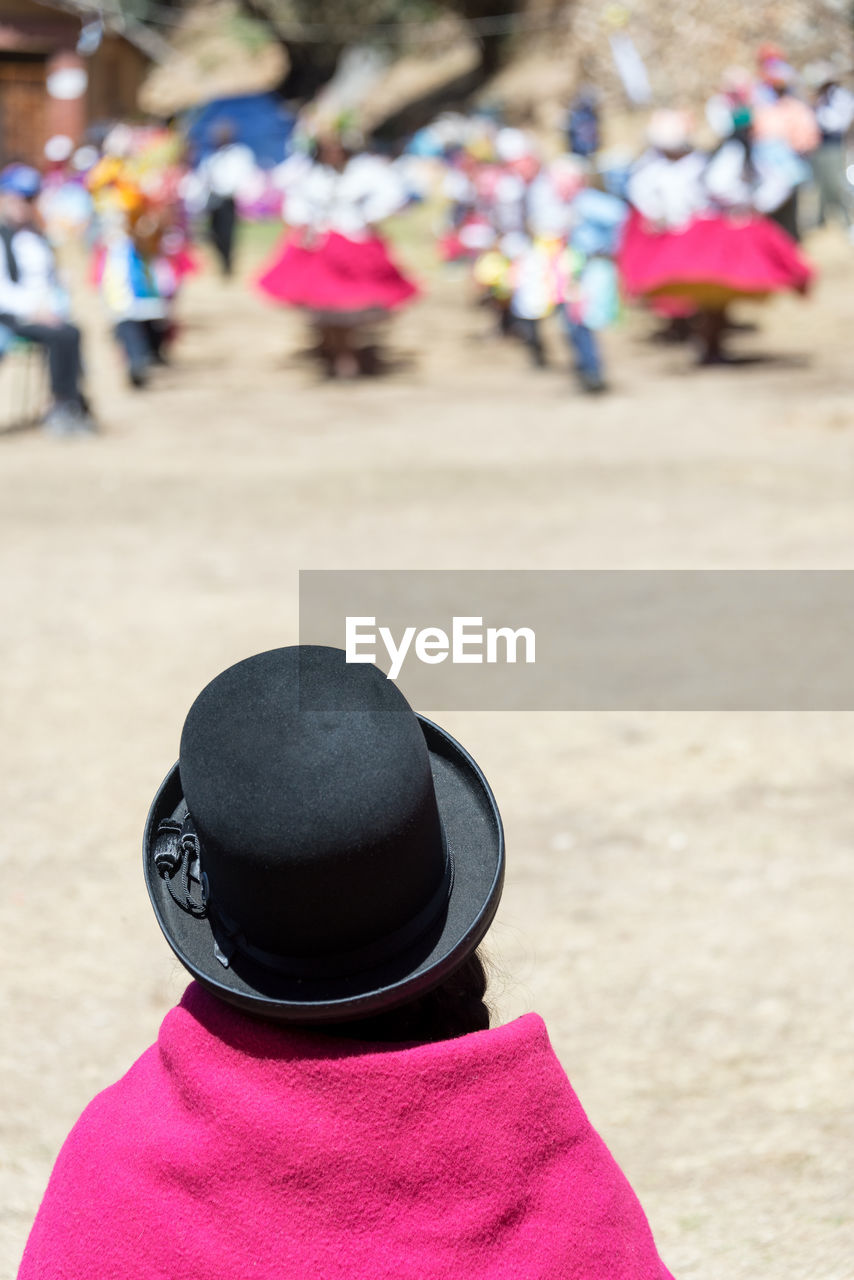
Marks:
<point>177,849</point>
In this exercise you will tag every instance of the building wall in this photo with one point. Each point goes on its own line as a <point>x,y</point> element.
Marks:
<point>23,107</point>
<point>34,40</point>
<point>34,27</point>
<point>116,73</point>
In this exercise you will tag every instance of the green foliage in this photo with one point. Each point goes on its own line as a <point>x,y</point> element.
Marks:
<point>248,32</point>
<point>343,22</point>
<point>155,12</point>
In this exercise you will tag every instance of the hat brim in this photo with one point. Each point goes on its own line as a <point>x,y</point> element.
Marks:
<point>475,839</point>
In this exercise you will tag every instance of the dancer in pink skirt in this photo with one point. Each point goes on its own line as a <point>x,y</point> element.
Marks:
<point>333,263</point>
<point>700,231</point>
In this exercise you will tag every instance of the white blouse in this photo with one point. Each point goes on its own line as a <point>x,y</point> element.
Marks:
<point>349,202</point>
<point>770,179</point>
<point>668,192</point>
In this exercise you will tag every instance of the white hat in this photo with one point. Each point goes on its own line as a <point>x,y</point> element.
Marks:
<point>513,144</point>
<point>669,131</point>
<point>58,148</point>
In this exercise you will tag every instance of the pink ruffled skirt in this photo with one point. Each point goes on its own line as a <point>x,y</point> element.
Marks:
<point>334,274</point>
<point>714,260</point>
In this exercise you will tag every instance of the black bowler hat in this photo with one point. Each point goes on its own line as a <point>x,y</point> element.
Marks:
<point>320,852</point>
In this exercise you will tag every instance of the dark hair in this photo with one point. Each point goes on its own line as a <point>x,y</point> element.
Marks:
<point>453,1009</point>
<point>222,133</point>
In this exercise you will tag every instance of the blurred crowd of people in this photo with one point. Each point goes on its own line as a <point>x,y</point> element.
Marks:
<point>685,227</point>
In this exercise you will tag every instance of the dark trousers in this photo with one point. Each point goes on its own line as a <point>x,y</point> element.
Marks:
<point>787,215</point>
<point>585,348</point>
<point>222,223</point>
<point>529,332</point>
<point>834,189</point>
<point>135,341</point>
<point>62,344</point>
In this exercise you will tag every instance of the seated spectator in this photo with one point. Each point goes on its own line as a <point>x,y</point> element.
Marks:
<point>32,303</point>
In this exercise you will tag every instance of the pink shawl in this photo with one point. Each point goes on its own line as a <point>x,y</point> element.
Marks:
<point>235,1148</point>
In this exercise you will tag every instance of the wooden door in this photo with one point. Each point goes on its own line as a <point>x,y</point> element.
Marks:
<point>22,109</point>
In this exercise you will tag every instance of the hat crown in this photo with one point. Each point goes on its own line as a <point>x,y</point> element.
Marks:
<point>309,784</point>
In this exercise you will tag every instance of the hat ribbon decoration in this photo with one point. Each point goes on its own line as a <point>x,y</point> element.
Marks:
<point>177,851</point>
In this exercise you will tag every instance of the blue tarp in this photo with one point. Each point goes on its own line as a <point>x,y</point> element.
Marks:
<point>260,120</point>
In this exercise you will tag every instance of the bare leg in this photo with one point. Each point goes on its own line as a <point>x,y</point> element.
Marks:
<point>345,360</point>
<point>337,349</point>
<point>710,328</point>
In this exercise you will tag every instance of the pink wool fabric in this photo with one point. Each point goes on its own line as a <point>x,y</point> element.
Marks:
<point>235,1148</point>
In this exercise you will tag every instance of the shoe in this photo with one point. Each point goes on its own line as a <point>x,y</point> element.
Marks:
<point>138,375</point>
<point>86,424</point>
<point>61,420</point>
<point>593,383</point>
<point>708,359</point>
<point>69,420</point>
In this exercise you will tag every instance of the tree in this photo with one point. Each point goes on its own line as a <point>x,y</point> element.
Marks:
<point>316,32</point>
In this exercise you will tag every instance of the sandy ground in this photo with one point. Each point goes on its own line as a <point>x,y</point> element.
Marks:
<point>678,899</point>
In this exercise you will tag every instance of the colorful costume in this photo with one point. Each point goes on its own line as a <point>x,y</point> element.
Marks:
<point>142,252</point>
<point>333,263</point>
<point>695,234</point>
<point>568,266</point>
<point>123,266</point>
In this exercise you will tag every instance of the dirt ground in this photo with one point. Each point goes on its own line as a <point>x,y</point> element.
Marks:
<point>679,887</point>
